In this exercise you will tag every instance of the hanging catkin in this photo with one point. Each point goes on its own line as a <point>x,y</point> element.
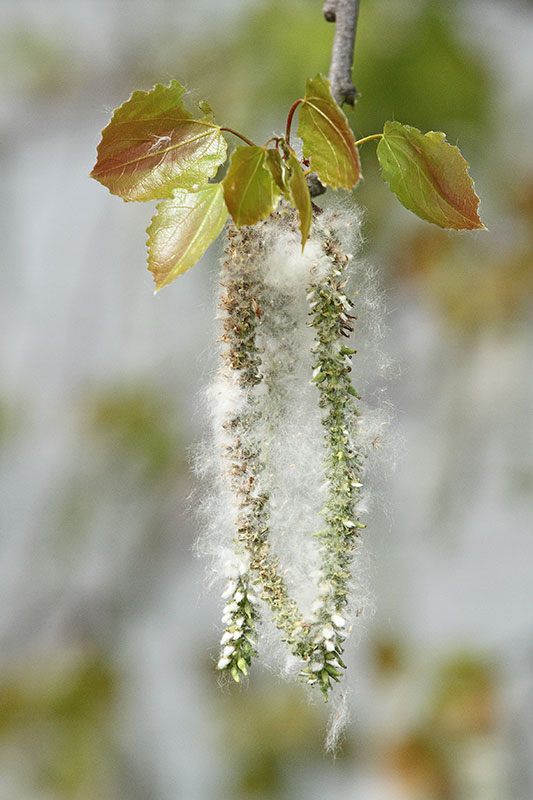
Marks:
<point>287,440</point>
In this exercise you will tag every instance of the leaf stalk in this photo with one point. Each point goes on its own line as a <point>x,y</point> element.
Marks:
<point>240,135</point>
<point>368,138</point>
<point>289,119</point>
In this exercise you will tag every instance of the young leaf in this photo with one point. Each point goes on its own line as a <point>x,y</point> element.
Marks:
<point>429,176</point>
<point>182,230</point>
<point>153,145</point>
<point>327,137</point>
<point>275,165</point>
<point>249,189</point>
<point>299,196</point>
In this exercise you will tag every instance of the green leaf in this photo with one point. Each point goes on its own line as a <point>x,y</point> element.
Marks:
<point>429,176</point>
<point>328,140</point>
<point>182,230</point>
<point>153,145</point>
<point>249,189</point>
<point>299,196</point>
<point>275,165</point>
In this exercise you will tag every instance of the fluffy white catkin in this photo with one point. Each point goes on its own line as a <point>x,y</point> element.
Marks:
<point>287,454</point>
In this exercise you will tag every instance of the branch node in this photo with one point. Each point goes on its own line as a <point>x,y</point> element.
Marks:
<point>316,188</point>
<point>330,10</point>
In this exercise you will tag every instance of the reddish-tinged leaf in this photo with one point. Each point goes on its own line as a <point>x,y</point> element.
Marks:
<point>429,176</point>
<point>328,140</point>
<point>299,196</point>
<point>153,145</point>
<point>249,188</point>
<point>182,229</point>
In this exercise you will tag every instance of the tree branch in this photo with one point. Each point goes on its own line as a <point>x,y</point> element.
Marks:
<point>345,14</point>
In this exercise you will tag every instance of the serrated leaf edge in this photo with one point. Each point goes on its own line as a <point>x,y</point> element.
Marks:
<point>442,196</point>
<point>206,121</point>
<point>168,280</point>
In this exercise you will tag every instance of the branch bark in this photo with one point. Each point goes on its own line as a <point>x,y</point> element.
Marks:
<point>345,14</point>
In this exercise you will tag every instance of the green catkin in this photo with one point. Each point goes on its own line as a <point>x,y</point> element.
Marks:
<point>319,641</point>
<point>242,283</point>
<point>333,323</point>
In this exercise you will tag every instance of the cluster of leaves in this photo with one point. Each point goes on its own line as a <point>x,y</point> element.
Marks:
<point>154,149</point>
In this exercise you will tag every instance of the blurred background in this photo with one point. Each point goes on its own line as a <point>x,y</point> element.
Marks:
<point>108,635</point>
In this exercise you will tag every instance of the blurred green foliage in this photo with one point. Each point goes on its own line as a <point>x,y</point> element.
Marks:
<point>269,731</point>
<point>36,63</point>
<point>56,711</point>
<point>138,424</point>
<point>456,718</point>
<point>418,768</point>
<point>131,451</point>
<point>466,688</point>
<point>474,283</point>
<point>387,657</point>
<point>412,64</point>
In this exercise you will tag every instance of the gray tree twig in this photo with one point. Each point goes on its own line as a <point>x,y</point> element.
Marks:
<point>345,14</point>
